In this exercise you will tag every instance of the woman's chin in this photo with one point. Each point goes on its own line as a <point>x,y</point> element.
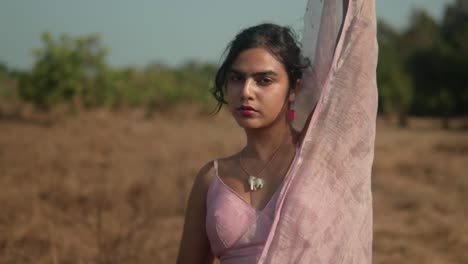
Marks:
<point>248,123</point>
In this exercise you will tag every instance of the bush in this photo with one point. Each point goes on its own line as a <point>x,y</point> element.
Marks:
<point>65,69</point>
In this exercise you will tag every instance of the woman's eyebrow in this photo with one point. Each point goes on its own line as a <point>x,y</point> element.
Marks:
<point>260,73</point>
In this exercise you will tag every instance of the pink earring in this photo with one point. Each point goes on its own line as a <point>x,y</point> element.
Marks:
<point>291,112</point>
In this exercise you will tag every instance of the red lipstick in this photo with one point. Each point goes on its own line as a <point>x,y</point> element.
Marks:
<point>246,110</point>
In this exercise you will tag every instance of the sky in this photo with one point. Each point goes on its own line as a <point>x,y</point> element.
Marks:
<point>142,32</point>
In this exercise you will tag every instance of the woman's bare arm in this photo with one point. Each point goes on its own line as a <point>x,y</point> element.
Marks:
<point>194,246</point>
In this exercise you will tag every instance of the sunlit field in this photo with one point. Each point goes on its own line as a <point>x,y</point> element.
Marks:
<point>111,187</point>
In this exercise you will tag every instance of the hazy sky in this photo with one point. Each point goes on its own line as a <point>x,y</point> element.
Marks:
<point>170,31</point>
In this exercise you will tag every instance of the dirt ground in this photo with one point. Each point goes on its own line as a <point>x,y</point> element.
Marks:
<point>110,187</point>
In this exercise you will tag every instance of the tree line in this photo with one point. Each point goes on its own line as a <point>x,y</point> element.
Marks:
<point>422,71</point>
<point>73,70</point>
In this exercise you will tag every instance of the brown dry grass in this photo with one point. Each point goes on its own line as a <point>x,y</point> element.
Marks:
<point>104,187</point>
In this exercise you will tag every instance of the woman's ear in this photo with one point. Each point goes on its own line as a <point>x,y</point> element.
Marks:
<point>294,91</point>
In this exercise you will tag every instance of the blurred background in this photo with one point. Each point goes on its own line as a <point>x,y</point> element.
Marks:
<point>104,123</point>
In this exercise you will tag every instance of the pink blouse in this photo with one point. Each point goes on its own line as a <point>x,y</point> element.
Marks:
<point>237,231</point>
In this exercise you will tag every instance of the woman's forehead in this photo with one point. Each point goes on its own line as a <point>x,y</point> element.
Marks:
<point>257,60</point>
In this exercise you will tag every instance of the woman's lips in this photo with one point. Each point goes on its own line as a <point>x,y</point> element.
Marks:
<point>246,110</point>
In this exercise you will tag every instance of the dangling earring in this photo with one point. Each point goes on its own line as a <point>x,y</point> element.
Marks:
<point>291,112</point>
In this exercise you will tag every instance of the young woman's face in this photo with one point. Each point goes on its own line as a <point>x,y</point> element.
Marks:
<point>257,89</point>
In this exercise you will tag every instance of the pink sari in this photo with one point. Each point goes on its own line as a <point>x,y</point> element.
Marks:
<point>324,211</point>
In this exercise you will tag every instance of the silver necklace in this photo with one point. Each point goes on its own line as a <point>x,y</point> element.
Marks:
<point>255,182</point>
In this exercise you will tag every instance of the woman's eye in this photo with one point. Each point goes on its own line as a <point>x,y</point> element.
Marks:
<point>265,81</point>
<point>234,78</point>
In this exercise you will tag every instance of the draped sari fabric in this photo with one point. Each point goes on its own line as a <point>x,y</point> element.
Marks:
<point>324,210</point>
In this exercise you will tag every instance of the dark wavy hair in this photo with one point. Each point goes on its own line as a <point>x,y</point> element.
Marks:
<point>280,41</point>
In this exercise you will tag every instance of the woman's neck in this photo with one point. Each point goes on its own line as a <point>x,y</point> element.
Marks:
<point>262,143</point>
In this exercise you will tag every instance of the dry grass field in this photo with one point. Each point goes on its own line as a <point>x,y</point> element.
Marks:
<point>110,187</point>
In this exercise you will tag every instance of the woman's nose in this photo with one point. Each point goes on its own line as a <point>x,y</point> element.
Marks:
<point>247,89</point>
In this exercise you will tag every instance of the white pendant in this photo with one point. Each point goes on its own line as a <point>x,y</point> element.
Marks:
<point>255,183</point>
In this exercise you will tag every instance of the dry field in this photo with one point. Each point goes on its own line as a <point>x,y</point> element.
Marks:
<point>110,187</point>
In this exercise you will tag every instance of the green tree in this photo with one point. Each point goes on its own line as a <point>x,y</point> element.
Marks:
<point>428,61</point>
<point>68,69</point>
<point>3,68</point>
<point>395,86</point>
<point>455,32</point>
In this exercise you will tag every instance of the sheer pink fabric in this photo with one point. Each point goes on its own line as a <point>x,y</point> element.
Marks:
<point>324,210</point>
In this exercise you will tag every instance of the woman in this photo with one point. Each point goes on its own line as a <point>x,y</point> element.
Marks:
<point>297,192</point>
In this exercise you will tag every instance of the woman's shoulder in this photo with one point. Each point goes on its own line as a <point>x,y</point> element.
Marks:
<point>226,164</point>
<point>209,170</point>
<point>205,175</point>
